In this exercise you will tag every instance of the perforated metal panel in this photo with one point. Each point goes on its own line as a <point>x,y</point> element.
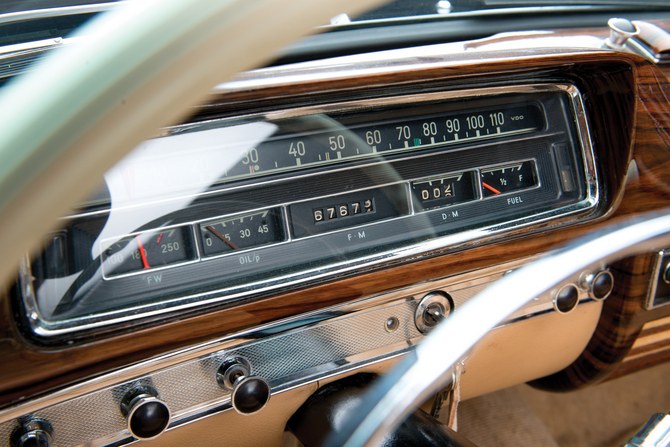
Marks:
<point>96,418</point>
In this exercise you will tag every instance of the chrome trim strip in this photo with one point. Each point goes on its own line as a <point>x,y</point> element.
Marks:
<point>458,54</point>
<point>478,13</point>
<point>655,277</point>
<point>57,12</point>
<point>50,329</point>
<point>10,51</point>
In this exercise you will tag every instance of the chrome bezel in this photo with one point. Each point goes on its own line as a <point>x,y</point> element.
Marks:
<point>48,329</point>
<point>655,277</point>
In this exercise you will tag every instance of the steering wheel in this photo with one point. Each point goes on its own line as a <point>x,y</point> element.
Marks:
<point>140,67</point>
<point>134,70</point>
<point>421,374</point>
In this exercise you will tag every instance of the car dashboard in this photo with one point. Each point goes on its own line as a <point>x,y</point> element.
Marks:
<point>315,220</point>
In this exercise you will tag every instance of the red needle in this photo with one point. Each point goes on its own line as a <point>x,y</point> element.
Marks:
<point>142,252</point>
<point>491,188</point>
<point>160,238</point>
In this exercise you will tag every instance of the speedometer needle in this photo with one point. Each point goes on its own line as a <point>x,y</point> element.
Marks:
<point>143,255</point>
<point>222,237</point>
<point>491,188</point>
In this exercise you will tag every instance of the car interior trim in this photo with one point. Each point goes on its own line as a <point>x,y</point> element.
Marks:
<point>576,211</point>
<point>258,345</point>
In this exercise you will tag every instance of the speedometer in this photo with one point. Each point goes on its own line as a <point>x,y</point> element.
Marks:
<point>289,150</point>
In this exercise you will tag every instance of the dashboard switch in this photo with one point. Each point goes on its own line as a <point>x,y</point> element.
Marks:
<point>602,285</point>
<point>620,31</point>
<point>599,285</point>
<point>250,393</point>
<point>566,299</point>
<point>432,309</point>
<point>147,415</point>
<point>33,432</point>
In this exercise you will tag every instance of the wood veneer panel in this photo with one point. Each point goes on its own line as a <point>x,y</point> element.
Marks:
<point>648,186</point>
<point>607,81</point>
<point>616,332</point>
<point>647,361</point>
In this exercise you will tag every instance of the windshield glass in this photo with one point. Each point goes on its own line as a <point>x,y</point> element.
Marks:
<point>421,9</point>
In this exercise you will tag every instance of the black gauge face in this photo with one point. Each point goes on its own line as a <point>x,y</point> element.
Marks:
<point>330,141</point>
<point>508,178</point>
<point>444,190</point>
<point>149,250</point>
<point>240,232</point>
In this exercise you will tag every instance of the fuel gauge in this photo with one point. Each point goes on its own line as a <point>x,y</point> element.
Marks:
<point>242,231</point>
<point>508,178</point>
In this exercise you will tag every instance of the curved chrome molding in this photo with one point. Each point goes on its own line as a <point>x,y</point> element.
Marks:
<point>34,14</point>
<point>524,46</point>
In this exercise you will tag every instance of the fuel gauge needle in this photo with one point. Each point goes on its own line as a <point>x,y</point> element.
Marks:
<point>222,237</point>
<point>491,188</point>
<point>143,255</point>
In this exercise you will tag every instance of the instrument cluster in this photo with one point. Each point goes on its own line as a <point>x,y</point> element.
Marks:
<point>232,208</point>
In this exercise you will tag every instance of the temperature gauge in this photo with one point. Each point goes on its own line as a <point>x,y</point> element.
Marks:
<point>508,178</point>
<point>149,250</point>
<point>242,231</point>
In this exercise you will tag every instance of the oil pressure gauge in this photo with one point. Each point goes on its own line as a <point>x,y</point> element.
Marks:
<point>508,178</point>
<point>242,231</point>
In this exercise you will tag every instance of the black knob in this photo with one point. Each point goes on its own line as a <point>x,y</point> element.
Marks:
<point>147,415</point>
<point>566,299</point>
<point>250,393</point>
<point>602,285</point>
<point>33,432</point>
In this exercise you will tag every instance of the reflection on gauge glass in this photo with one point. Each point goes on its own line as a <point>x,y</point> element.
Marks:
<point>508,178</point>
<point>149,250</point>
<point>242,231</point>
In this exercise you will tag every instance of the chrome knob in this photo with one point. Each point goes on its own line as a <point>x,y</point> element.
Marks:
<point>250,393</point>
<point>620,31</point>
<point>599,285</point>
<point>432,309</point>
<point>566,299</point>
<point>33,432</point>
<point>147,415</point>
